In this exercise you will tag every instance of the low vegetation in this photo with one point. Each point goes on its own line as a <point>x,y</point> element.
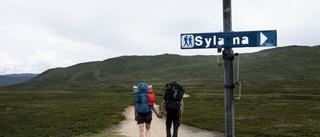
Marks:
<point>280,94</point>
<point>259,112</point>
<point>60,112</point>
<point>75,112</point>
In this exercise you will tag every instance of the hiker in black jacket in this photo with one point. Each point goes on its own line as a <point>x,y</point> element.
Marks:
<point>173,102</point>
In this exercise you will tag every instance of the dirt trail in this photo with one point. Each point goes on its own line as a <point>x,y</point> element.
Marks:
<point>130,128</point>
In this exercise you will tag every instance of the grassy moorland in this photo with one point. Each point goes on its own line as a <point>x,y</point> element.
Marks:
<point>259,112</point>
<point>280,94</point>
<point>75,112</point>
<point>60,112</point>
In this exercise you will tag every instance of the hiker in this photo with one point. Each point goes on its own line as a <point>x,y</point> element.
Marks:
<point>173,103</point>
<point>144,99</point>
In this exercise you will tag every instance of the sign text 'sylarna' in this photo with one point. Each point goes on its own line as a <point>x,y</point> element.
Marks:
<point>229,39</point>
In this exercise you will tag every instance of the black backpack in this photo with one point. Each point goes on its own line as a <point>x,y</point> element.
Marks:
<point>173,94</point>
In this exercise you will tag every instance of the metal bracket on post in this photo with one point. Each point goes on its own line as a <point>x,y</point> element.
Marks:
<point>229,86</point>
<point>228,54</point>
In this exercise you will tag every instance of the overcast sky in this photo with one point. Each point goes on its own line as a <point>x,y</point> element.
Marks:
<point>36,35</point>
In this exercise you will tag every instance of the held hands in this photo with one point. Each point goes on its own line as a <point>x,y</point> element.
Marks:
<point>160,115</point>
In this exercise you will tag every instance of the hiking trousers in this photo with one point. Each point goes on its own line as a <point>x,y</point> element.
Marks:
<point>175,118</point>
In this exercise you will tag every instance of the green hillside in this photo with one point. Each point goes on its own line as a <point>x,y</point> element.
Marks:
<point>282,66</point>
<point>280,94</point>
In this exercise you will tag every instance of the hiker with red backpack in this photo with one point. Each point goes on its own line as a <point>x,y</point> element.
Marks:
<point>173,103</point>
<point>143,100</point>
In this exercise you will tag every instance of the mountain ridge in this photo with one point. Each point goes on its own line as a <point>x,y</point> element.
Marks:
<point>12,79</point>
<point>281,66</point>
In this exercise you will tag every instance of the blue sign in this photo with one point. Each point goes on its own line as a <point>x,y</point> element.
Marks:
<point>229,39</point>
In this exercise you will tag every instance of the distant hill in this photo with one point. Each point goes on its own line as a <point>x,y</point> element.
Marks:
<point>282,66</point>
<point>12,79</point>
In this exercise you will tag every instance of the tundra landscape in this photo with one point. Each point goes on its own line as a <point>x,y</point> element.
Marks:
<point>280,94</point>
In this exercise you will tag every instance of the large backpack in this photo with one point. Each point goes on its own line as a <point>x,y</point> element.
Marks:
<point>173,94</point>
<point>141,99</point>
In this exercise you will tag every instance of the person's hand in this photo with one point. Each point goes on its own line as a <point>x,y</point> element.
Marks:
<point>180,116</point>
<point>135,118</point>
<point>160,116</point>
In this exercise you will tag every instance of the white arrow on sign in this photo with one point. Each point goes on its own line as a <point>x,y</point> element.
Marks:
<point>263,38</point>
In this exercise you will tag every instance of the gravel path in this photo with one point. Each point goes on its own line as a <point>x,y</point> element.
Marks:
<point>130,128</point>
